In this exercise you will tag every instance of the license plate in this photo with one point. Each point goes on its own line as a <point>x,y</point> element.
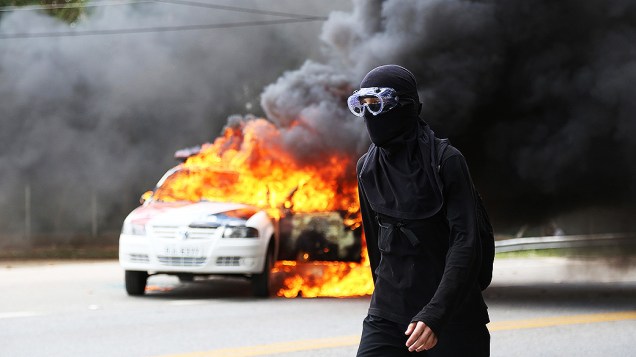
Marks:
<point>182,251</point>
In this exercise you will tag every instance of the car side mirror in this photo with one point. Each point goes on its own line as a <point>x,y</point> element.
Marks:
<point>145,197</point>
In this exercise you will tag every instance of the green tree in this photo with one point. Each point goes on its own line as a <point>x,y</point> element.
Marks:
<point>69,11</point>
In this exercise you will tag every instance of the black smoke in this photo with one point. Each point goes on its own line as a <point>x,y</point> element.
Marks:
<point>97,118</point>
<point>536,94</point>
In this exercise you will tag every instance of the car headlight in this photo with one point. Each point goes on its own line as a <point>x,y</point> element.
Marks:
<point>240,232</point>
<point>132,228</point>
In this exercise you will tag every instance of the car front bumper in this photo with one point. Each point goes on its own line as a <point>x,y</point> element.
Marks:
<point>198,256</point>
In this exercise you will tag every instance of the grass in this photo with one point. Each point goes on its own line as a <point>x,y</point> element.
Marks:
<point>582,252</point>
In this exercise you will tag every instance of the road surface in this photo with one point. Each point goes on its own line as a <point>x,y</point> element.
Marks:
<point>538,307</point>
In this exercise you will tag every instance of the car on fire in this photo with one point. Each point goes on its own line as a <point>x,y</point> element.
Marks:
<point>202,238</point>
<point>196,238</point>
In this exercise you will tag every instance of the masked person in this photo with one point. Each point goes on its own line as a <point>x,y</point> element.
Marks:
<point>421,233</point>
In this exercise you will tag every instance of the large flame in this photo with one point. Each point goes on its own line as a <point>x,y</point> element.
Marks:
<point>248,164</point>
<point>339,279</point>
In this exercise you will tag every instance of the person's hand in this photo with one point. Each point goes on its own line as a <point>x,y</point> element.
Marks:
<point>421,337</point>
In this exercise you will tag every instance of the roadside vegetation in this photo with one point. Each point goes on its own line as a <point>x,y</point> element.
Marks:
<point>60,252</point>
<point>580,252</point>
<point>69,11</point>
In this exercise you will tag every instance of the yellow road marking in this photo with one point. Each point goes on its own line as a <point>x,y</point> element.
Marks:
<point>561,320</point>
<point>353,340</point>
<point>279,347</point>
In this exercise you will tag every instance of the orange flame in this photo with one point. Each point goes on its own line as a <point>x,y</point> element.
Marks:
<point>325,279</point>
<point>248,164</point>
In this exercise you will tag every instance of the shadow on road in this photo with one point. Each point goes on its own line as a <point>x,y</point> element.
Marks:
<point>165,287</point>
<point>570,295</point>
<point>212,288</point>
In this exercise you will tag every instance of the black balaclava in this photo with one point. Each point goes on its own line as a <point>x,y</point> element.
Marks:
<point>386,126</point>
<point>397,175</point>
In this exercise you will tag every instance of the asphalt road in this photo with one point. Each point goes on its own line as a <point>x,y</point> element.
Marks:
<point>538,307</point>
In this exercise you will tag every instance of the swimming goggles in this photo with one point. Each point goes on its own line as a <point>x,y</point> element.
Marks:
<point>376,100</point>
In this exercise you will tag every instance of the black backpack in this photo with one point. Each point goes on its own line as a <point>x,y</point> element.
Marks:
<point>484,228</point>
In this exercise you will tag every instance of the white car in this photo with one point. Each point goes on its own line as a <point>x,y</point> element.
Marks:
<point>197,238</point>
<point>189,239</point>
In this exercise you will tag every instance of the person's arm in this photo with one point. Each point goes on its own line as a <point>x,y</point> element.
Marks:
<point>458,276</point>
<point>369,225</point>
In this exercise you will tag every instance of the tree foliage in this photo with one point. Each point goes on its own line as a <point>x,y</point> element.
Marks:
<point>69,11</point>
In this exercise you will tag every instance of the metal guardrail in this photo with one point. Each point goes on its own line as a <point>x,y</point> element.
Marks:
<point>568,241</point>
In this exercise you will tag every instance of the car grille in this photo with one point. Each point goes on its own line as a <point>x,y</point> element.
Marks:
<point>181,261</point>
<point>173,232</point>
<point>138,258</point>
<point>228,261</point>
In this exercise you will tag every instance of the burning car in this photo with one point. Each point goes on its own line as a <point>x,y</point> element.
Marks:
<point>200,238</point>
<point>196,238</point>
<point>245,206</point>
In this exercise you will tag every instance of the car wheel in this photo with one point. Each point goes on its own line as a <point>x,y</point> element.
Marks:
<point>262,282</point>
<point>136,282</point>
<point>186,278</point>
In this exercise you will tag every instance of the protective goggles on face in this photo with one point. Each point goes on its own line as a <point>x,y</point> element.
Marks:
<point>376,100</point>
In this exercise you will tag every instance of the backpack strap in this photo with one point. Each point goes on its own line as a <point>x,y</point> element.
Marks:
<point>440,147</point>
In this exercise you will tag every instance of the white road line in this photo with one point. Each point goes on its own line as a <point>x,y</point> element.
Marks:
<point>14,314</point>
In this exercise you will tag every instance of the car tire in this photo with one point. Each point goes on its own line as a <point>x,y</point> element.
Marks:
<point>185,278</point>
<point>262,282</point>
<point>136,282</point>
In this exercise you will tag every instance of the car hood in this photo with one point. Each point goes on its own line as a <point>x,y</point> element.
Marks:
<point>185,213</point>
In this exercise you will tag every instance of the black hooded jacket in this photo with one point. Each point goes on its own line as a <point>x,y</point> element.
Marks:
<point>421,233</point>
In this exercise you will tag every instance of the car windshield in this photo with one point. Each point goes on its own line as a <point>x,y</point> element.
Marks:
<point>194,185</point>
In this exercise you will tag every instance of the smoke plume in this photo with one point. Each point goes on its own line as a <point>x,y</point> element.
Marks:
<point>93,121</point>
<point>536,94</point>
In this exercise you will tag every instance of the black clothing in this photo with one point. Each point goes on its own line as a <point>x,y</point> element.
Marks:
<point>382,337</point>
<point>399,179</point>
<point>421,234</point>
<point>398,173</point>
<point>393,76</point>
<point>432,278</point>
<point>401,119</point>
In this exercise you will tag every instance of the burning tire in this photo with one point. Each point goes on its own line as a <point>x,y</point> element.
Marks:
<point>262,282</point>
<point>136,282</point>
